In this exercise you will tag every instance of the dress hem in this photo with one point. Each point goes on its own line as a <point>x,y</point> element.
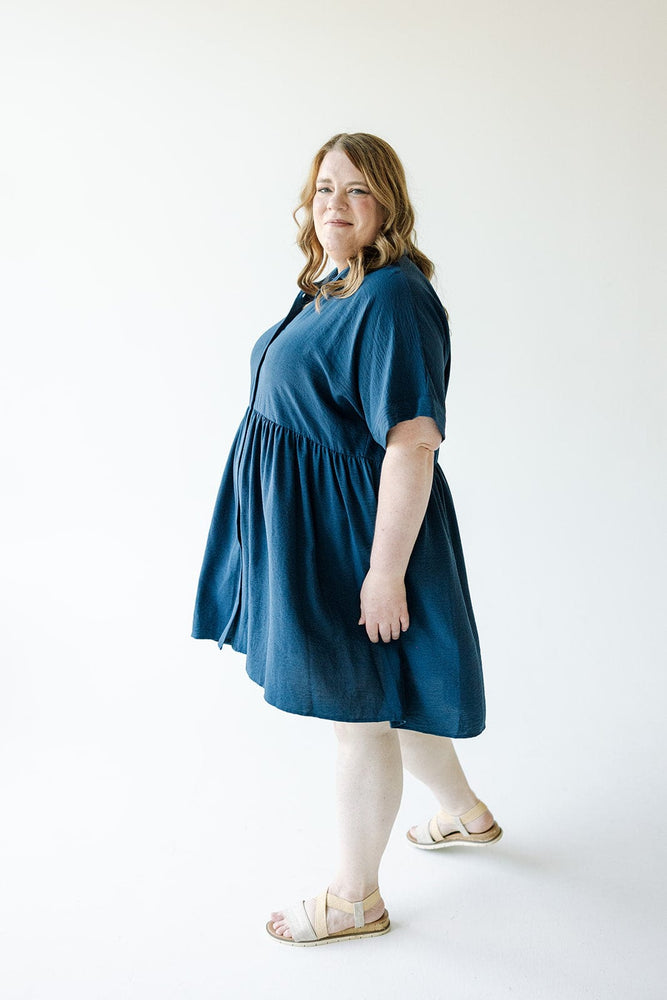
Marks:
<point>403,724</point>
<point>411,725</point>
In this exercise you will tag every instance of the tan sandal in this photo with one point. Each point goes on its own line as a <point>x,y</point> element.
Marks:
<point>428,837</point>
<point>305,935</point>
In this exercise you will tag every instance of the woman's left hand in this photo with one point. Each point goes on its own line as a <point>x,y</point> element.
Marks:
<point>384,608</point>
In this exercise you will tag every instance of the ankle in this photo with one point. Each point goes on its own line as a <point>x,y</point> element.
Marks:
<point>480,824</point>
<point>352,890</point>
<point>460,806</point>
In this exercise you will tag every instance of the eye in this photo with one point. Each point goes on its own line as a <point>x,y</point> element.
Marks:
<point>322,190</point>
<point>358,191</point>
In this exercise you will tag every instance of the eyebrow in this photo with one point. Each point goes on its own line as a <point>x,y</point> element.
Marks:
<point>327,180</point>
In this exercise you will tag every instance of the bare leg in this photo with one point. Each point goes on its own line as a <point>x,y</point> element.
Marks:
<point>433,761</point>
<point>369,785</point>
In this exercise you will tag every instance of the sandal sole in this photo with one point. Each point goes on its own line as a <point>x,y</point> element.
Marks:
<point>377,931</point>
<point>454,840</point>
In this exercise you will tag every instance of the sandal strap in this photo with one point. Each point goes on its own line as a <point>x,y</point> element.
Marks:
<point>473,813</point>
<point>466,817</point>
<point>300,926</point>
<point>327,900</point>
<point>321,915</point>
<point>433,831</point>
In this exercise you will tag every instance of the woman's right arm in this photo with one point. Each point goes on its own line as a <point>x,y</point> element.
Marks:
<point>405,487</point>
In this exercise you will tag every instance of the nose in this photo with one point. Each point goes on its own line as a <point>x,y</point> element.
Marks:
<point>337,199</point>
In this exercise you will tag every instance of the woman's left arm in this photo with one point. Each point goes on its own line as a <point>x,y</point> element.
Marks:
<point>405,486</point>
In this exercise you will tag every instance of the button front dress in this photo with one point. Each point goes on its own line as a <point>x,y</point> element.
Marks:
<point>290,540</point>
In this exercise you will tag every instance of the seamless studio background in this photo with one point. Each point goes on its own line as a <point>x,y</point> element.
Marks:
<point>154,808</point>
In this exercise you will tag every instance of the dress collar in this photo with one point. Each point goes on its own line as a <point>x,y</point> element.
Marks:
<point>335,275</point>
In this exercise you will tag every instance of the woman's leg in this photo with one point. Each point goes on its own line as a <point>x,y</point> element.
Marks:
<point>433,760</point>
<point>369,784</point>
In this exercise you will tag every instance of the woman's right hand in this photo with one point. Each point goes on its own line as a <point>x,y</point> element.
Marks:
<point>384,607</point>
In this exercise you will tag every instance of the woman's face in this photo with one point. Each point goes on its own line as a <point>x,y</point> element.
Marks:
<point>346,215</point>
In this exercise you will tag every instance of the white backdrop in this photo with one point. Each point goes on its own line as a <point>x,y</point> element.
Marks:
<point>152,154</point>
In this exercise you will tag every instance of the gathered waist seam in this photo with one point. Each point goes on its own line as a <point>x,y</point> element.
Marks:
<point>318,444</point>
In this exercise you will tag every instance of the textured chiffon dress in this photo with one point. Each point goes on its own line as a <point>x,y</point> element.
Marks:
<point>292,529</point>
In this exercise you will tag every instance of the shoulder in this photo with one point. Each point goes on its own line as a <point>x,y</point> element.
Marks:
<point>392,279</point>
<point>402,290</point>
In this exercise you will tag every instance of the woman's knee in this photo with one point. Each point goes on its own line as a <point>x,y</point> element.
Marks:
<point>350,732</point>
<point>412,738</point>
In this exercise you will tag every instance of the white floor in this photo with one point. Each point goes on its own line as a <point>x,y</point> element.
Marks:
<point>155,810</point>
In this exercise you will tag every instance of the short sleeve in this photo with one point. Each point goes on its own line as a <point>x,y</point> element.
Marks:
<point>403,358</point>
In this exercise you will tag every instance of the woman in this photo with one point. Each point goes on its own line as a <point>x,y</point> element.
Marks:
<point>333,559</point>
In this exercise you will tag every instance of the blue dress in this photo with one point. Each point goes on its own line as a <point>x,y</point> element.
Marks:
<point>290,540</point>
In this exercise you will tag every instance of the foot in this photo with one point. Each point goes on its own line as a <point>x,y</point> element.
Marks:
<point>479,825</point>
<point>337,920</point>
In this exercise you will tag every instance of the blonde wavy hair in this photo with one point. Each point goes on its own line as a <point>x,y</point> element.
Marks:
<point>385,177</point>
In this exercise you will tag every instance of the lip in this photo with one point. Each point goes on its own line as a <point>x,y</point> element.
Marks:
<point>338,222</point>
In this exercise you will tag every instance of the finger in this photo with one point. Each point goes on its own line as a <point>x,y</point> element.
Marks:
<point>385,631</point>
<point>372,631</point>
<point>362,620</point>
<point>395,630</point>
<point>405,621</point>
